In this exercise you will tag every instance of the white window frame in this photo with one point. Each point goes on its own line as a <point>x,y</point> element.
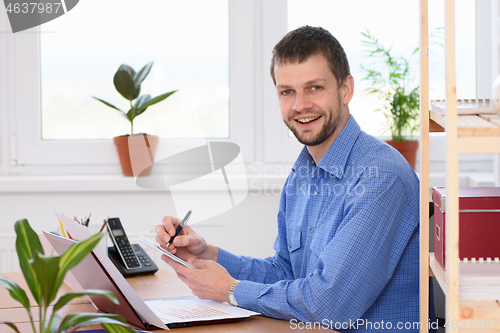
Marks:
<point>35,155</point>
<point>255,120</point>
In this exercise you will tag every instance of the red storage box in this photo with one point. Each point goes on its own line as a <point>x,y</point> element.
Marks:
<point>479,223</point>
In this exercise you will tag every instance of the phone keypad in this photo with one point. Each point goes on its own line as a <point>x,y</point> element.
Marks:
<point>128,254</point>
<point>142,258</point>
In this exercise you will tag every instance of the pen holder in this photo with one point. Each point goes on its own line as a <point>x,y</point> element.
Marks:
<point>103,243</point>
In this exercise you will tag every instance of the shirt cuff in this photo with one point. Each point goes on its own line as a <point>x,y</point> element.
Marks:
<point>247,294</point>
<point>230,262</point>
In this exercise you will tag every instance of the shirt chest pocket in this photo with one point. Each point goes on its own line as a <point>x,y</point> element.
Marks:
<point>294,240</point>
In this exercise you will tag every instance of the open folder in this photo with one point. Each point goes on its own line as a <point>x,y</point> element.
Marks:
<point>96,271</point>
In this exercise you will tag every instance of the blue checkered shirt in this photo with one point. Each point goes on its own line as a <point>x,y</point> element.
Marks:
<point>347,245</point>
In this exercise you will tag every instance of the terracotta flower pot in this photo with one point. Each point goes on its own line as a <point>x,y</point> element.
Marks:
<point>136,153</point>
<point>406,148</point>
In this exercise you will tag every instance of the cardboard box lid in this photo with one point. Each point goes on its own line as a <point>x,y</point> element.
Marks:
<point>470,198</point>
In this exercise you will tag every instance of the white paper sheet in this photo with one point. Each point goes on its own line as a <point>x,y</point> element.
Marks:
<point>195,309</point>
<point>155,246</point>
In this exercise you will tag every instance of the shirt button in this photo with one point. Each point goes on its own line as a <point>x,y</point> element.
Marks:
<point>316,192</point>
<point>311,229</point>
<point>289,245</point>
<point>322,250</point>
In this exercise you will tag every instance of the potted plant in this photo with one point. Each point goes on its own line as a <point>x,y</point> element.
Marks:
<point>128,83</point>
<point>44,275</point>
<point>389,79</point>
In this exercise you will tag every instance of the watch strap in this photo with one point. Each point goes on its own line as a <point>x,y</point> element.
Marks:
<point>230,295</point>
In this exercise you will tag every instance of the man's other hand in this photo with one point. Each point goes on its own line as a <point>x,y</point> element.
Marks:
<point>208,281</point>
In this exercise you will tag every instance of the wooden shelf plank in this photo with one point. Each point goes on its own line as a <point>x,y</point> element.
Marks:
<point>479,145</point>
<point>481,277</point>
<point>493,118</point>
<point>480,310</point>
<point>479,125</point>
<point>438,119</point>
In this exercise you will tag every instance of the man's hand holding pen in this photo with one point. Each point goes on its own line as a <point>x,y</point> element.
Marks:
<point>188,244</point>
<point>210,280</point>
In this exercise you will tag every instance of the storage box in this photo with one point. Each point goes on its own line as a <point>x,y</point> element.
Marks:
<point>479,223</point>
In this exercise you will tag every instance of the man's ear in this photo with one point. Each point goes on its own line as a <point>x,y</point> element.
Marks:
<point>348,89</point>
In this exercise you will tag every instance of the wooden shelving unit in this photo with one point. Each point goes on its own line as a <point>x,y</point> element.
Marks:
<point>470,134</point>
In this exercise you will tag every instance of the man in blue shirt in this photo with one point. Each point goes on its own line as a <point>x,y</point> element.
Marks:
<point>347,247</point>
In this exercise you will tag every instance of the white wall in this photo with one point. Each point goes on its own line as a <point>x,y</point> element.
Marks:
<point>248,229</point>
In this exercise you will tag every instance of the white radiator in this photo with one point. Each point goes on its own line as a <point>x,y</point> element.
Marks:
<point>8,255</point>
<point>10,263</point>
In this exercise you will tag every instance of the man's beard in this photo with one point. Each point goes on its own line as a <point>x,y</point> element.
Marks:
<point>326,131</point>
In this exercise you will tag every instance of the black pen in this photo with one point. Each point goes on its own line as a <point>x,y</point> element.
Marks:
<point>183,223</point>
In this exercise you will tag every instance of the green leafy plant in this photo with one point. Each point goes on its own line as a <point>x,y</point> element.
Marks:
<point>389,78</point>
<point>128,83</point>
<point>44,275</point>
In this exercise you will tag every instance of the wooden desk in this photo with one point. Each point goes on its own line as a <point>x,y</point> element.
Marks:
<point>161,285</point>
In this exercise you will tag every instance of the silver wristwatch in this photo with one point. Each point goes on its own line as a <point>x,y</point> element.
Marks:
<point>230,295</point>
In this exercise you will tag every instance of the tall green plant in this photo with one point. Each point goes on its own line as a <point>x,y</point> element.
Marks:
<point>128,83</point>
<point>389,79</point>
<point>44,275</point>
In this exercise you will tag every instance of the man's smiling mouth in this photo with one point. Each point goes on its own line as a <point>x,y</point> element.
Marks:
<point>307,120</point>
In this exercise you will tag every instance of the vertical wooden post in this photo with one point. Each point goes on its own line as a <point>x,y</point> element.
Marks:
<point>451,245</point>
<point>424,166</point>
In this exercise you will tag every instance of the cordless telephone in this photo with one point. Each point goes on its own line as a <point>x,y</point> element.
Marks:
<point>122,244</point>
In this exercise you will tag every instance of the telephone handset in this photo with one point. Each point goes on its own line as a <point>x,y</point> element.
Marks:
<point>130,259</point>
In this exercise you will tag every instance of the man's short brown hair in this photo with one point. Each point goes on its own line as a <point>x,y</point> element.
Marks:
<point>299,44</point>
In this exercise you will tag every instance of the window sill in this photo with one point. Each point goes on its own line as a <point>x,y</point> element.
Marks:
<point>119,183</point>
<point>267,184</point>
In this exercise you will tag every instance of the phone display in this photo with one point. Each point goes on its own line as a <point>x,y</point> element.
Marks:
<point>122,244</point>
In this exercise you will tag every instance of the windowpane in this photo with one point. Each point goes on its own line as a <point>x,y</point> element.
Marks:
<point>396,24</point>
<point>188,42</point>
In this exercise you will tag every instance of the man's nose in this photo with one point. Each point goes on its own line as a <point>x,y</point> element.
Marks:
<point>302,102</point>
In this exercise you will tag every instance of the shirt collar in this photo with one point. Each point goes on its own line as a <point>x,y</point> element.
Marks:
<point>335,159</point>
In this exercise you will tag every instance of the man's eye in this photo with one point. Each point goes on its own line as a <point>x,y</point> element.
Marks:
<point>286,92</point>
<point>316,88</point>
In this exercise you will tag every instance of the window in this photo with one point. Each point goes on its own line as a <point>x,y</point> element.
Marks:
<point>58,140</point>
<point>188,42</point>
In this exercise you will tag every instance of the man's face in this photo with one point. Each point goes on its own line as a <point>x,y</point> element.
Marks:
<point>310,100</point>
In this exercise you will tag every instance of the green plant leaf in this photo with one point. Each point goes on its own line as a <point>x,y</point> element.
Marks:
<point>107,103</point>
<point>131,114</point>
<point>137,92</point>
<point>52,325</point>
<point>27,244</point>
<point>78,319</point>
<point>142,74</point>
<point>388,77</point>
<point>46,270</point>
<point>89,292</point>
<point>111,106</point>
<point>133,75</point>
<point>8,323</point>
<point>154,100</point>
<point>72,257</point>
<point>142,100</point>
<point>117,328</point>
<point>124,82</point>
<point>15,292</point>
